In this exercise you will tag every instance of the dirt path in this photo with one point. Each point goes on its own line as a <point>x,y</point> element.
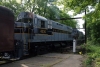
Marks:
<point>72,61</point>
<point>49,60</point>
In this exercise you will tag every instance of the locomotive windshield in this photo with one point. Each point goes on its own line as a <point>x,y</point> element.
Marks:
<point>28,20</point>
<point>25,17</point>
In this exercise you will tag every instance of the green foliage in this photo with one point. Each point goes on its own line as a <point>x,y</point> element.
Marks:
<point>41,7</point>
<point>71,23</point>
<point>97,62</point>
<point>92,17</point>
<point>13,5</point>
<point>94,31</point>
<point>93,53</point>
<point>88,62</point>
<point>78,5</point>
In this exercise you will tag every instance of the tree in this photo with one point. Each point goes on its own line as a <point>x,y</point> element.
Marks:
<point>92,17</point>
<point>44,8</point>
<point>68,22</point>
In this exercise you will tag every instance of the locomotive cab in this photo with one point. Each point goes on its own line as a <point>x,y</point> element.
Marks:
<point>23,33</point>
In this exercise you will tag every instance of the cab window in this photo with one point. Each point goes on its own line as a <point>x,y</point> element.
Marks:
<point>42,24</point>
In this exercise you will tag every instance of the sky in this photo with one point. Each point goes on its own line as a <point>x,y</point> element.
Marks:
<point>80,21</point>
<point>18,1</point>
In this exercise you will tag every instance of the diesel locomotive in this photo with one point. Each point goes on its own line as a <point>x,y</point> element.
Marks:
<point>31,34</point>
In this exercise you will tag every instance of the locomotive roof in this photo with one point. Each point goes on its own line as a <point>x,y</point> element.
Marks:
<point>41,17</point>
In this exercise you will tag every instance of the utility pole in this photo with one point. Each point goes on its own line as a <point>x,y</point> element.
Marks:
<point>85,28</point>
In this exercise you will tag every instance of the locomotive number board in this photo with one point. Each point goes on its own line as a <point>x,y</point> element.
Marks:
<point>42,31</point>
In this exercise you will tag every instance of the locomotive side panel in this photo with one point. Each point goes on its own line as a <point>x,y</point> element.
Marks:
<point>6,30</point>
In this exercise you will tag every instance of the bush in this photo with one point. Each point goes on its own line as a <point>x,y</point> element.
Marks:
<point>93,52</point>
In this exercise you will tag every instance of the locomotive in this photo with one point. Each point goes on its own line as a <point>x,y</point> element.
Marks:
<point>31,34</point>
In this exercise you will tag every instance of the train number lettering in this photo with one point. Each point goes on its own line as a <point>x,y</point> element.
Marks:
<point>43,31</point>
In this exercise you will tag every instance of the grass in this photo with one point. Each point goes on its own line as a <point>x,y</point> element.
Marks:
<point>92,52</point>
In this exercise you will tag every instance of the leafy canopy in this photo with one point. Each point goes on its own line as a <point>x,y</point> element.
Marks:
<point>92,17</point>
<point>46,8</point>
